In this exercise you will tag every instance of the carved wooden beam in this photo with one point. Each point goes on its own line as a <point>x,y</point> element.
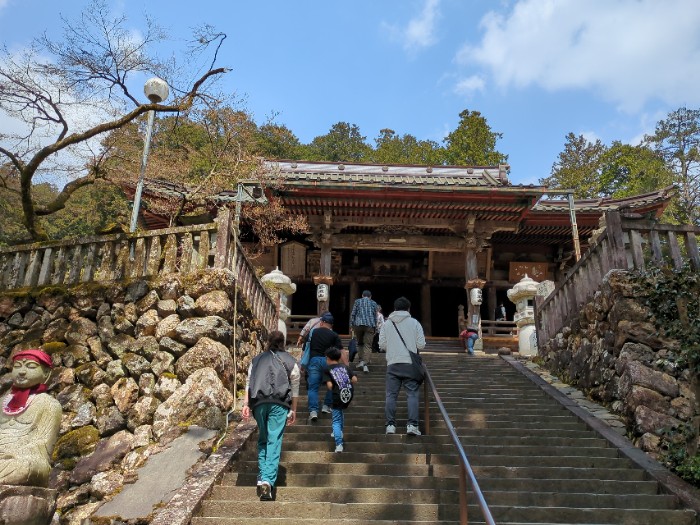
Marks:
<point>398,242</point>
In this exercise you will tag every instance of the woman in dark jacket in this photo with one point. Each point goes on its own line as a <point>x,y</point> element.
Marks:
<point>272,391</point>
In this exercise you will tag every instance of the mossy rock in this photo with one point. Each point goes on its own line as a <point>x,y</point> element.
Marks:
<point>53,347</point>
<point>79,442</point>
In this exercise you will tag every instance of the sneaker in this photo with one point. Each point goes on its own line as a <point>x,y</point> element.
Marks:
<point>258,489</point>
<point>365,369</point>
<point>313,415</point>
<point>390,429</point>
<point>326,409</point>
<point>412,430</point>
<point>339,448</point>
<point>265,491</point>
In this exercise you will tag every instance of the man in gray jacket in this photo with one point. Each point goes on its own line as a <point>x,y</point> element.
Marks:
<point>401,334</point>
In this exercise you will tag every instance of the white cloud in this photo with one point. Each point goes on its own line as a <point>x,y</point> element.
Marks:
<point>629,52</point>
<point>590,136</point>
<point>469,85</point>
<point>419,33</point>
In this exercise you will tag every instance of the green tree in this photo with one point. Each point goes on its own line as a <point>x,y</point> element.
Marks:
<point>628,170</point>
<point>578,168</point>
<point>473,142</point>
<point>406,149</point>
<point>343,143</point>
<point>677,140</point>
<point>275,141</point>
<point>91,66</point>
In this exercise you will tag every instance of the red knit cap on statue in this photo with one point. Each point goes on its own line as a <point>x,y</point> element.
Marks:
<point>19,399</point>
<point>34,354</point>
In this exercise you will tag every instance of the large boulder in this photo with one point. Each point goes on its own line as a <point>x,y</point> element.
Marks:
<point>21,505</point>
<point>206,353</point>
<point>107,453</point>
<point>202,400</point>
<point>216,302</point>
<point>80,330</point>
<point>637,374</point>
<point>214,327</point>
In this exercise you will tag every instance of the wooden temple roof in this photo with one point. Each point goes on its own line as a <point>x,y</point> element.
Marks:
<point>361,199</point>
<point>441,200</point>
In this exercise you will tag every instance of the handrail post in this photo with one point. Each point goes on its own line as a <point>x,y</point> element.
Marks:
<point>426,408</point>
<point>223,240</point>
<point>463,518</point>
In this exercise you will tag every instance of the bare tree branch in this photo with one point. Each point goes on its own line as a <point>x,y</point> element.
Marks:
<point>87,72</point>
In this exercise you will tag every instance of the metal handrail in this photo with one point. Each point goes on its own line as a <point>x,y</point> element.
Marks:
<point>465,468</point>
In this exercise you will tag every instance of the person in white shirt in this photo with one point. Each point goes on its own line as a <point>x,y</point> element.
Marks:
<point>400,335</point>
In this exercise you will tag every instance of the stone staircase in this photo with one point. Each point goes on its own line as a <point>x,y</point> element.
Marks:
<point>535,461</point>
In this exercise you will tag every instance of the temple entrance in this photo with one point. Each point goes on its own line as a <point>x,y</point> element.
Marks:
<point>384,294</point>
<point>445,303</point>
<point>304,303</point>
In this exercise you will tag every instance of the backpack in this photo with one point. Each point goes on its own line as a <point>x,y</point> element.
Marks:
<point>342,380</point>
<point>269,379</point>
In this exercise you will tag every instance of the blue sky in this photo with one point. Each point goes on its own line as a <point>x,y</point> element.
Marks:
<point>536,69</point>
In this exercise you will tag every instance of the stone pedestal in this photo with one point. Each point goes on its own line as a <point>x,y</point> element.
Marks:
<point>20,505</point>
<point>283,287</point>
<point>523,295</point>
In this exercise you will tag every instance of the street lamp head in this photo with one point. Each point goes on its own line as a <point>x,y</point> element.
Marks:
<point>156,89</point>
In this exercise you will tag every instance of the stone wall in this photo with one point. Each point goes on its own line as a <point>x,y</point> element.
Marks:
<point>614,353</point>
<point>134,364</point>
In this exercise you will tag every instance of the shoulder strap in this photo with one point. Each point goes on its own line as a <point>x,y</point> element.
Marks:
<point>289,372</point>
<point>402,340</point>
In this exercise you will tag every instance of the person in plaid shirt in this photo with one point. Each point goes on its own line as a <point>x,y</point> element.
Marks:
<point>363,321</point>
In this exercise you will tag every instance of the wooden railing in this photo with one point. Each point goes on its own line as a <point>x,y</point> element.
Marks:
<point>146,254</point>
<point>498,328</point>
<point>626,243</point>
<point>488,328</point>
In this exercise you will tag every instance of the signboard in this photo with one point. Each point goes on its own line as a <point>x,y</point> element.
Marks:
<point>293,263</point>
<point>537,271</point>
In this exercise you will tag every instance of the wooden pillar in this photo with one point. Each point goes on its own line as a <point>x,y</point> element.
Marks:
<point>354,293</point>
<point>425,309</point>
<point>492,304</point>
<point>325,270</point>
<point>471,272</point>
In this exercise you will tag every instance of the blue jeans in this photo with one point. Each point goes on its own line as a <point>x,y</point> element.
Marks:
<point>338,423</point>
<point>271,420</point>
<point>470,342</point>
<point>397,376</point>
<point>317,366</point>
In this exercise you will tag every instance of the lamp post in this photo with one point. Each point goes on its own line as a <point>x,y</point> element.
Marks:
<point>156,89</point>
<point>246,191</point>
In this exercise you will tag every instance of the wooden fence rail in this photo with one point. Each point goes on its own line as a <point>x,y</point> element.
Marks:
<point>183,250</point>
<point>626,243</point>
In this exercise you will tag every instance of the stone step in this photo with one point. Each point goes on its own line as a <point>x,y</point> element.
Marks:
<point>476,460</point>
<point>594,486</point>
<point>436,512</point>
<point>359,414</point>
<point>515,498</point>
<point>363,451</point>
<point>288,476</point>
<point>373,433</point>
<point>545,440</point>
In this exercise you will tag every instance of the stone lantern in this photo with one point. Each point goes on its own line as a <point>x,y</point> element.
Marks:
<point>283,287</point>
<point>523,295</point>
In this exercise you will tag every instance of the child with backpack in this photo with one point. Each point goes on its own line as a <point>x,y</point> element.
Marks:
<point>339,380</point>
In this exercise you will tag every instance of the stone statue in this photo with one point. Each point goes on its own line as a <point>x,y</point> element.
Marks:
<point>29,422</point>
